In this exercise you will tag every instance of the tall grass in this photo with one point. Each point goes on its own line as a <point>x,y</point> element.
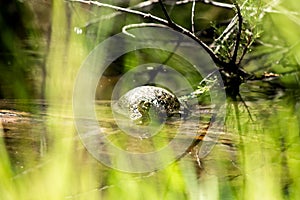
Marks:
<point>265,164</point>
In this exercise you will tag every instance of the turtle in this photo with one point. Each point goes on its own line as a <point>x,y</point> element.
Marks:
<point>139,103</point>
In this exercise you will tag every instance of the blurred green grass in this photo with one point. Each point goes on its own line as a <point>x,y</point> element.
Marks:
<point>265,164</point>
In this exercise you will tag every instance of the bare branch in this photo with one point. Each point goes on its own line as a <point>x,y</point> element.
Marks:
<point>166,13</point>
<point>129,26</point>
<point>228,29</point>
<point>246,106</point>
<point>145,4</point>
<point>193,16</point>
<point>226,33</point>
<point>249,42</point>
<point>239,33</point>
<point>137,6</point>
<point>210,2</point>
<point>159,20</point>
<point>126,10</point>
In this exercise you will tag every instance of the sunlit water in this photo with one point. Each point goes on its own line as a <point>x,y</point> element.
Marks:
<point>28,140</point>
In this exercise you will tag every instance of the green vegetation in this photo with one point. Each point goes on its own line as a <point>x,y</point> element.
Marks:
<point>260,160</point>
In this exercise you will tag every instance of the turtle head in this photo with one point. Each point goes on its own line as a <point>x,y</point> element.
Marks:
<point>141,113</point>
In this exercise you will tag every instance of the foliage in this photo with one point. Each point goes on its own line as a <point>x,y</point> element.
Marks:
<point>261,162</point>
<point>19,45</point>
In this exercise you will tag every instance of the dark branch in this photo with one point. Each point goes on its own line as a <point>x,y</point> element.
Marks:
<point>245,49</point>
<point>246,106</point>
<point>166,13</point>
<point>238,35</point>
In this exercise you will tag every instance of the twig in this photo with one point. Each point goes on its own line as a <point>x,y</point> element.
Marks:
<point>139,25</point>
<point>154,74</point>
<point>171,23</point>
<point>210,2</point>
<point>246,106</point>
<point>106,17</point>
<point>239,33</point>
<point>126,10</point>
<point>230,29</point>
<point>245,49</point>
<point>193,16</point>
<point>226,33</point>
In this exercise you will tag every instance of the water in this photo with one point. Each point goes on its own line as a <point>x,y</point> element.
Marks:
<point>267,147</point>
<point>28,140</point>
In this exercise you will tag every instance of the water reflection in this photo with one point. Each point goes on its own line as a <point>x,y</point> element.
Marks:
<point>28,141</point>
